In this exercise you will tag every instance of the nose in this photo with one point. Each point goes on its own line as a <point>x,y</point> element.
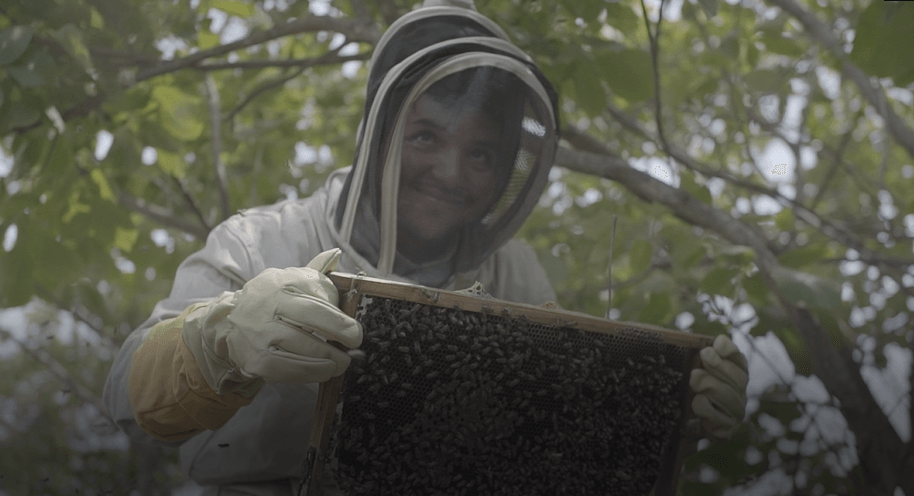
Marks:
<point>447,167</point>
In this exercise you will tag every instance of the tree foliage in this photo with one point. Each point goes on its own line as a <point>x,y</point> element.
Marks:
<point>133,127</point>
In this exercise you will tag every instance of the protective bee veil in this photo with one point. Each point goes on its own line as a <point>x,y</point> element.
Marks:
<point>454,150</point>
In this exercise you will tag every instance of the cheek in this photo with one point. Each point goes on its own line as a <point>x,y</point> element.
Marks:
<point>407,170</point>
<point>485,187</point>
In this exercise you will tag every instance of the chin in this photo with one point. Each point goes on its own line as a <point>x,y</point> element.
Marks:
<point>429,234</point>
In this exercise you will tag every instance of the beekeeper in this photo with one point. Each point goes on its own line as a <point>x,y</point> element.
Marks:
<point>459,133</point>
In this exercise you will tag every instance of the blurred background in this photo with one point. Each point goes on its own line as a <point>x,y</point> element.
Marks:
<point>759,157</point>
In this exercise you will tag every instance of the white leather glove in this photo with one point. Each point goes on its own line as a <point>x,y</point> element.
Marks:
<point>720,388</point>
<point>275,328</point>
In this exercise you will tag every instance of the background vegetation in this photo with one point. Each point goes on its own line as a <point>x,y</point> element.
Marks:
<point>758,156</point>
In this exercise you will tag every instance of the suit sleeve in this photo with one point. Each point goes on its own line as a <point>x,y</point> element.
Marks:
<point>155,392</point>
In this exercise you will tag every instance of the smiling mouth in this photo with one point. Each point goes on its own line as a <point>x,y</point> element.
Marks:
<point>450,197</point>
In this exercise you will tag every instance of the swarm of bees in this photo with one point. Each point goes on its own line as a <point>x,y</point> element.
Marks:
<point>458,402</point>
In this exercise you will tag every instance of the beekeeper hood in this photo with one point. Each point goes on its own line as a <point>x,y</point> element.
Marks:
<point>454,149</point>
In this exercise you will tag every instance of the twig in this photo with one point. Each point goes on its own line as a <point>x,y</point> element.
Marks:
<point>360,9</point>
<point>609,275</point>
<point>106,338</point>
<point>836,162</point>
<point>353,29</point>
<point>191,203</point>
<point>163,215</point>
<point>303,63</point>
<point>328,58</point>
<point>824,34</point>
<point>81,109</point>
<point>682,204</point>
<point>265,87</point>
<point>654,38</point>
<point>56,368</point>
<point>803,212</point>
<point>389,11</point>
<point>212,93</point>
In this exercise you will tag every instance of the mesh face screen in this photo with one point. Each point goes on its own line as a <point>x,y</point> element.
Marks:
<point>458,402</point>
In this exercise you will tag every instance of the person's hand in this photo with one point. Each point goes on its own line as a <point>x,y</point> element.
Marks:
<point>720,388</point>
<point>276,328</point>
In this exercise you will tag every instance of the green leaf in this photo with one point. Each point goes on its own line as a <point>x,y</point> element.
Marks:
<point>719,281</point>
<point>709,7</point>
<point>26,77</point>
<point>699,191</point>
<point>124,239</point>
<point>756,288</point>
<point>657,309</point>
<point>71,38</point>
<point>884,41</point>
<point>590,93</point>
<point>95,19</point>
<point>766,80</point>
<point>729,45</point>
<point>233,7</point>
<point>75,207</point>
<point>587,10</point>
<point>628,73</point>
<point>803,256</point>
<point>752,54</point>
<point>621,16</point>
<point>796,349</point>
<point>177,112</point>
<point>13,43</point>
<point>640,255</point>
<point>104,189</point>
<point>556,267</point>
<point>19,114</point>
<point>813,291</point>
<point>829,324</point>
<point>777,43</point>
<point>207,39</point>
<point>785,220</point>
<point>171,163</point>
<point>34,70</point>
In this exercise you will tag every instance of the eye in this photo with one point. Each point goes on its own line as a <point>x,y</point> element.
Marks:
<point>481,158</point>
<point>421,138</point>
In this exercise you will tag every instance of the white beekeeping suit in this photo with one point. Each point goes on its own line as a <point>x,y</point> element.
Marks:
<point>459,133</point>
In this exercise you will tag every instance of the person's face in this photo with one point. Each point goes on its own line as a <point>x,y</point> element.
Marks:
<point>448,174</point>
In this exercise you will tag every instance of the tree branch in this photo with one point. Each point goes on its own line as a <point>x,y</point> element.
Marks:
<point>654,38</point>
<point>804,213</point>
<point>836,163</point>
<point>389,11</point>
<point>212,93</point>
<point>84,393</point>
<point>106,339</point>
<point>266,86</point>
<point>683,205</point>
<point>824,35</point>
<point>163,216</point>
<point>354,29</point>
<point>79,110</point>
<point>327,58</point>
<point>303,63</point>
<point>191,203</point>
<point>878,443</point>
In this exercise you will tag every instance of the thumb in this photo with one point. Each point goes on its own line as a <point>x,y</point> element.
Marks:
<point>326,261</point>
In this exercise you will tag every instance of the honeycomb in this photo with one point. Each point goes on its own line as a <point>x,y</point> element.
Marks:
<point>457,402</point>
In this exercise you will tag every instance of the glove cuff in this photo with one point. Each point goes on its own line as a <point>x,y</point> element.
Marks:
<point>203,324</point>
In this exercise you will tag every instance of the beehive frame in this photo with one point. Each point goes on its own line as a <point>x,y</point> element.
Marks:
<point>355,291</point>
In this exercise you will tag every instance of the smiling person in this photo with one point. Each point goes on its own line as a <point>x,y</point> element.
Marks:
<point>459,133</point>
